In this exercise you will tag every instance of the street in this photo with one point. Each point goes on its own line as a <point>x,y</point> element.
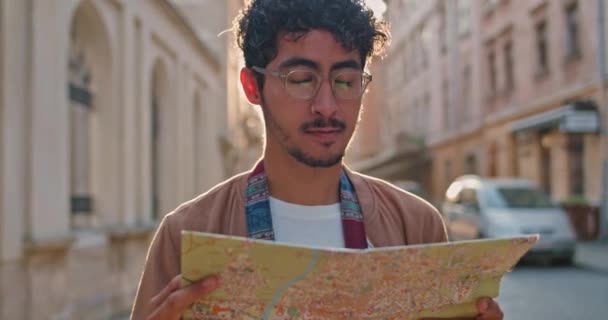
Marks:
<point>534,291</point>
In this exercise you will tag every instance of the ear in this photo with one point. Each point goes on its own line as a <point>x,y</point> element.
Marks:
<point>250,86</point>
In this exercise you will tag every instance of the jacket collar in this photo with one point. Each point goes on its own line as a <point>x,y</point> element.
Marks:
<point>362,188</point>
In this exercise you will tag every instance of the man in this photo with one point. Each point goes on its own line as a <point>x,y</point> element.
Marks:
<point>305,62</point>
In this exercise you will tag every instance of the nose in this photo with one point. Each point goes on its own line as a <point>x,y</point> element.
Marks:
<point>324,103</point>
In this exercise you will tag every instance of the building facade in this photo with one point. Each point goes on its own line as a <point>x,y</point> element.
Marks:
<point>112,113</point>
<point>241,141</point>
<point>496,88</point>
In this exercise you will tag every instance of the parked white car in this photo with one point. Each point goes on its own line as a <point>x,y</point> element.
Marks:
<point>476,207</point>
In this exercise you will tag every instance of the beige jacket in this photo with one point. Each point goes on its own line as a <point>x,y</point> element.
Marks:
<point>392,217</point>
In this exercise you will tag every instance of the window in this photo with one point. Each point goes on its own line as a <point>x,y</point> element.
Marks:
<point>443,36</point>
<point>446,102</point>
<point>489,6</point>
<point>448,172</point>
<point>155,123</point>
<point>425,36</point>
<point>81,105</point>
<point>490,3</point>
<point>414,56</point>
<point>416,125</point>
<point>509,76</point>
<point>426,114</point>
<point>198,136</point>
<point>572,31</point>
<point>405,67</point>
<point>466,93</point>
<point>470,164</point>
<point>493,160</point>
<point>542,48</point>
<point>412,4</point>
<point>412,112</point>
<point>517,197</point>
<point>421,48</point>
<point>464,17</point>
<point>492,72</point>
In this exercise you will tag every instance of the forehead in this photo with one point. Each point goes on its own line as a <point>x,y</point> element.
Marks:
<point>318,46</point>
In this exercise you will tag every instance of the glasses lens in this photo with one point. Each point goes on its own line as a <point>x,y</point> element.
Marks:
<point>348,85</point>
<point>301,84</point>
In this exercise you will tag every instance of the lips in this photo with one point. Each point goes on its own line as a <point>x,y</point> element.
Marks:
<point>324,135</point>
<point>321,131</point>
<point>324,131</point>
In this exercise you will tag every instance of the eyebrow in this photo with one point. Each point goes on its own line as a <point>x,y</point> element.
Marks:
<point>296,61</point>
<point>347,64</point>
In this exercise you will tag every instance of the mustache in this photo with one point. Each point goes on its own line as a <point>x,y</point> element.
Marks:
<point>323,123</point>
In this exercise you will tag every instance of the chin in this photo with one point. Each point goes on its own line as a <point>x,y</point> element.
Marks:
<point>326,161</point>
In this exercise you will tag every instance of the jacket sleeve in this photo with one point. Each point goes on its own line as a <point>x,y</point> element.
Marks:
<point>162,264</point>
<point>435,225</point>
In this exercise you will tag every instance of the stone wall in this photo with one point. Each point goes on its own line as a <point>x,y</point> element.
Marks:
<point>94,277</point>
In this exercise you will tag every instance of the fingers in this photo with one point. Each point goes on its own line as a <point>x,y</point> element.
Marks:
<point>172,306</point>
<point>183,298</point>
<point>162,296</point>
<point>488,310</point>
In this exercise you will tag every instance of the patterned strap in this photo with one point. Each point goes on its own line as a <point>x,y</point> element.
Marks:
<point>259,219</point>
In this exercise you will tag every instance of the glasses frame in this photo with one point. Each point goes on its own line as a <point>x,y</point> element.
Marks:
<point>366,78</point>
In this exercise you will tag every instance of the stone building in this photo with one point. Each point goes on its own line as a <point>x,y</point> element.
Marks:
<point>112,112</point>
<point>241,141</point>
<point>494,88</point>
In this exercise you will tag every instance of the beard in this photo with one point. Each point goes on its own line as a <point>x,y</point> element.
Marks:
<point>273,127</point>
<point>310,161</point>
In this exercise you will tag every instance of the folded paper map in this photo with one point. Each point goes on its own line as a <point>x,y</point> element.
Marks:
<point>270,280</point>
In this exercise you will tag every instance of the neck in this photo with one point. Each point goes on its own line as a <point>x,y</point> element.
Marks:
<point>295,182</point>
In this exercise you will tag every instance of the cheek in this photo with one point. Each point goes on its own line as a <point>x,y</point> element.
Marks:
<point>288,114</point>
<point>352,115</point>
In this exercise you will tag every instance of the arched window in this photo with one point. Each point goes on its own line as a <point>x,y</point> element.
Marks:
<point>155,149</point>
<point>198,139</point>
<point>81,104</point>
<point>163,142</point>
<point>93,116</point>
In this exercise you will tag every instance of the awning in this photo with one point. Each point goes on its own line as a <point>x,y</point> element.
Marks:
<point>577,117</point>
<point>400,163</point>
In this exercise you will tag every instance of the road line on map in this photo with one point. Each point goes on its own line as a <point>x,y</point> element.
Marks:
<point>277,295</point>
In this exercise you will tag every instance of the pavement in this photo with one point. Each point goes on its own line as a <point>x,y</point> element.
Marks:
<point>592,255</point>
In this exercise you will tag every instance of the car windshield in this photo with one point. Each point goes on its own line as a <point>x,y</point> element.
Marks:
<point>518,197</point>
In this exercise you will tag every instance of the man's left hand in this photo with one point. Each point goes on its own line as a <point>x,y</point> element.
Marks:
<point>487,309</point>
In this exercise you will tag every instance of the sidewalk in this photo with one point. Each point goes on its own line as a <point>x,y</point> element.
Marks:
<point>592,255</point>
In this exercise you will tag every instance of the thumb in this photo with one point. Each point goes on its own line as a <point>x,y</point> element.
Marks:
<point>482,305</point>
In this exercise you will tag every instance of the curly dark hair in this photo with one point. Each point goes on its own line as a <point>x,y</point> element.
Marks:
<point>350,21</point>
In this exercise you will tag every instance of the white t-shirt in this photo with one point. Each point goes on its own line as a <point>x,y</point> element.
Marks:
<point>317,226</point>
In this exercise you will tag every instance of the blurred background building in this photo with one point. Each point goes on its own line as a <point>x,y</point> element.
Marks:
<point>495,88</point>
<point>112,113</point>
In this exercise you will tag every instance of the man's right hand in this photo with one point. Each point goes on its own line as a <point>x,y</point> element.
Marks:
<point>171,302</point>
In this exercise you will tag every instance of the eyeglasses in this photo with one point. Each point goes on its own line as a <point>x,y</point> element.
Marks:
<point>304,84</point>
